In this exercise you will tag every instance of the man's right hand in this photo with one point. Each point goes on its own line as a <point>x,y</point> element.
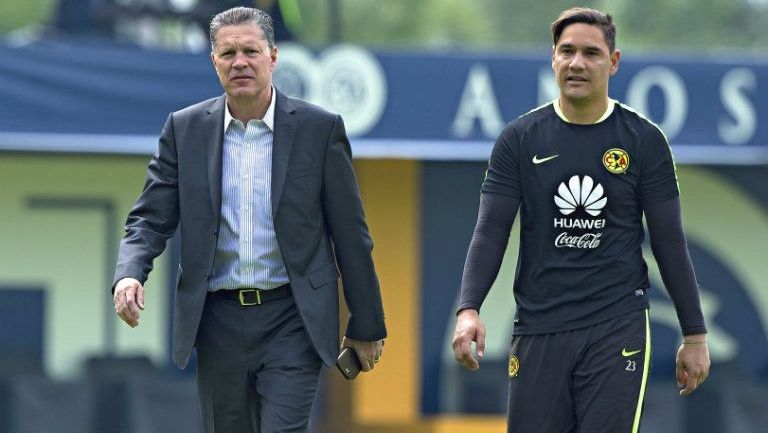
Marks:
<point>128,300</point>
<point>469,328</point>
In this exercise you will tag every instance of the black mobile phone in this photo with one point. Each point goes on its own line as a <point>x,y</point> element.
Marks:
<point>348,363</point>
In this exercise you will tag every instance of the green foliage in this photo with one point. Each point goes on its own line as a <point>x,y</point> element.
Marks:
<point>15,14</point>
<point>657,25</point>
<point>667,25</point>
<point>526,23</point>
<point>703,24</point>
<point>401,22</point>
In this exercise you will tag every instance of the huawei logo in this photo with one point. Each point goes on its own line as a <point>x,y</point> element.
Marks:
<point>580,192</point>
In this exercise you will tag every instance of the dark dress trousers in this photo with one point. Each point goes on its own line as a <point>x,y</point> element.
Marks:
<point>317,212</point>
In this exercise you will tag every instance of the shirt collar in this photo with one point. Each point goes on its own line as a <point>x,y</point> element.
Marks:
<point>269,116</point>
<point>608,111</point>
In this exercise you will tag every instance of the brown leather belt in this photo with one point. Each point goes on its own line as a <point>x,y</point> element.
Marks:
<point>248,297</point>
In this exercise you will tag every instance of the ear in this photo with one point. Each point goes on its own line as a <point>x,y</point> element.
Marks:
<point>273,56</point>
<point>615,56</point>
<point>552,63</point>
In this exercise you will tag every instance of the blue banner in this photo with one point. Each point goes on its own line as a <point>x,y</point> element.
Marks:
<point>114,99</point>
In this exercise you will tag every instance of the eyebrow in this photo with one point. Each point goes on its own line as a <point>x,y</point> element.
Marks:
<point>585,47</point>
<point>242,45</point>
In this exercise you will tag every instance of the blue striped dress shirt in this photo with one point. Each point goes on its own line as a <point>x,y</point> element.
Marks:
<point>247,254</point>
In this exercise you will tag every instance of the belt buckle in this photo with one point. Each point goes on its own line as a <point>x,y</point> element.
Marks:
<point>241,295</point>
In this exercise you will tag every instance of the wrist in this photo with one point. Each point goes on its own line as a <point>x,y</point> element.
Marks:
<point>695,339</point>
<point>468,312</point>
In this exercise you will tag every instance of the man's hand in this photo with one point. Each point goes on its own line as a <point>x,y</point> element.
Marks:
<point>692,363</point>
<point>128,300</point>
<point>369,352</point>
<point>469,328</point>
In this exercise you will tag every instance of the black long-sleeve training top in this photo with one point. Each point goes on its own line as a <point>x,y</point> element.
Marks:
<point>582,191</point>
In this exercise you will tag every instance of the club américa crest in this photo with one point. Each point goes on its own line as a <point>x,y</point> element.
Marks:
<point>616,160</point>
<point>514,366</point>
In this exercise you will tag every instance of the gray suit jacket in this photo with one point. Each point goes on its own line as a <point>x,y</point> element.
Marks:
<point>318,219</point>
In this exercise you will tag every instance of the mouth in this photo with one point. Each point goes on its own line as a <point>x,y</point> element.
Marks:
<point>241,78</point>
<point>576,79</point>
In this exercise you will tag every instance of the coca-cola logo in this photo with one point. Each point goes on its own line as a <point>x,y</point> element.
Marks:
<point>585,241</point>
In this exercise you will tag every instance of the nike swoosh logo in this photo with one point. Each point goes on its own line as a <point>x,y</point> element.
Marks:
<point>626,353</point>
<point>537,160</point>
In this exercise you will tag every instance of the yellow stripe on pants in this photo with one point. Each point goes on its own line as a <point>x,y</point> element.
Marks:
<point>646,369</point>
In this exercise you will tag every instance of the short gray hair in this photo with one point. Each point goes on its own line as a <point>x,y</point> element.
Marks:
<point>243,15</point>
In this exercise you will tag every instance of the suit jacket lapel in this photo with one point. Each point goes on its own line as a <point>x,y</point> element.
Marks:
<point>213,137</point>
<point>282,143</point>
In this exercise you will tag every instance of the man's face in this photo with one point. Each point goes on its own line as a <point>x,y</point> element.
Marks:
<point>243,60</point>
<point>583,63</point>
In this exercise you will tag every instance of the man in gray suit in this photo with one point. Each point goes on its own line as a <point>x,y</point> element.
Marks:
<point>263,190</point>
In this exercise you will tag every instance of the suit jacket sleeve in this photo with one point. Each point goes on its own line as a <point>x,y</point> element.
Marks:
<point>155,215</point>
<point>345,219</point>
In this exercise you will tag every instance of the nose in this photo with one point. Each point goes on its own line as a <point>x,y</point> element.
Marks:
<point>577,62</point>
<point>239,62</point>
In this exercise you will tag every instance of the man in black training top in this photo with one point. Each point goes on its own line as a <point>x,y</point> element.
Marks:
<point>583,170</point>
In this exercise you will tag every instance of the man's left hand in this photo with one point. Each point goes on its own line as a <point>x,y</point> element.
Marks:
<point>692,363</point>
<point>369,352</point>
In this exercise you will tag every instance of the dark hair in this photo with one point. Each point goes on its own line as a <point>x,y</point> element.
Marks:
<point>587,16</point>
<point>243,15</point>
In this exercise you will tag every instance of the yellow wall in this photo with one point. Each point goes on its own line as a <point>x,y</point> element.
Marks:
<point>391,197</point>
